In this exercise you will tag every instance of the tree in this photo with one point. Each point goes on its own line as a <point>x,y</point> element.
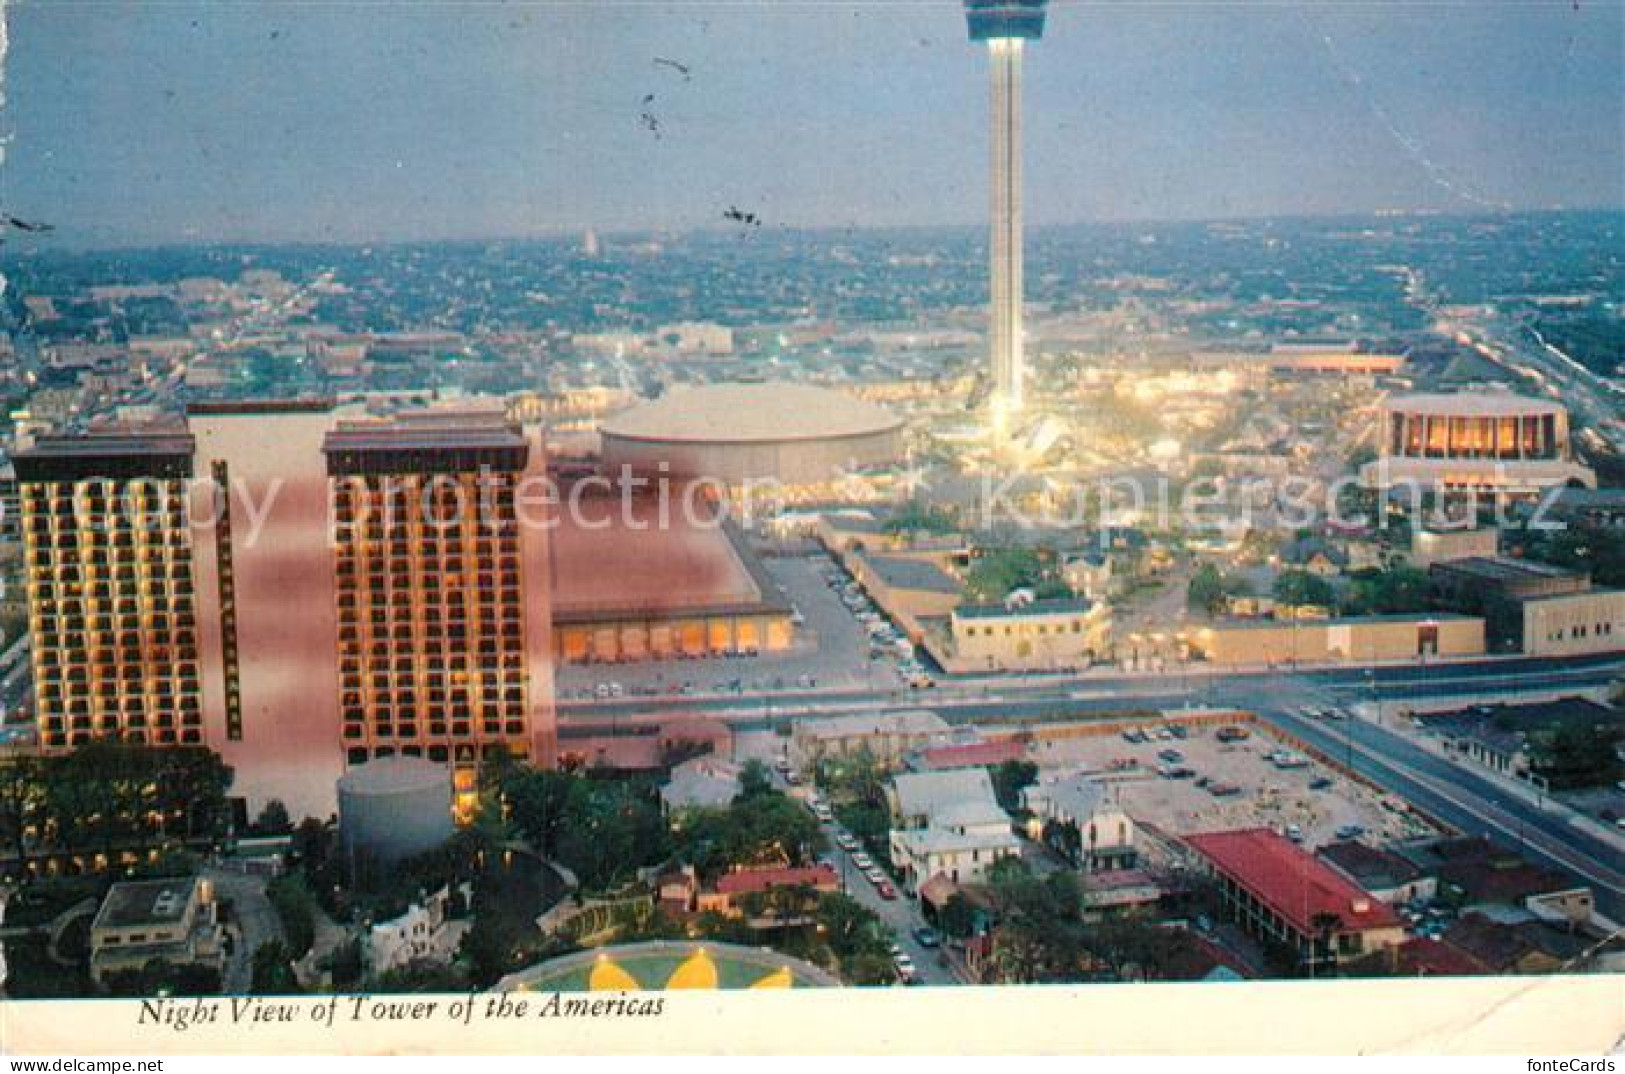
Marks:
<point>20,791</point>
<point>1210,589</point>
<point>849,927</point>
<point>296,908</point>
<point>273,819</point>
<point>1300,588</point>
<point>998,571</point>
<point>764,830</point>
<point>162,977</point>
<point>754,780</point>
<point>958,917</point>
<point>273,970</point>
<point>919,517</point>
<point>543,804</point>
<point>1573,755</point>
<point>1394,591</point>
<point>419,975</point>
<point>1010,778</point>
<point>614,829</point>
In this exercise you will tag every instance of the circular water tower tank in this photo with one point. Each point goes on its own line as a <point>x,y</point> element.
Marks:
<point>394,807</point>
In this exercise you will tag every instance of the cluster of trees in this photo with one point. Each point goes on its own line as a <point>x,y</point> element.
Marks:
<point>602,830</point>
<point>1210,589</point>
<point>856,788</point>
<point>160,977</point>
<point>919,517</point>
<point>107,797</point>
<point>1039,934</point>
<point>1388,591</point>
<point>1010,778</point>
<point>760,827</point>
<point>1573,755</point>
<point>290,896</point>
<point>1599,551</point>
<point>1300,588</point>
<point>1393,591</point>
<point>996,571</point>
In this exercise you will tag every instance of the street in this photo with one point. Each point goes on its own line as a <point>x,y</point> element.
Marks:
<point>902,914</point>
<point>1454,794</point>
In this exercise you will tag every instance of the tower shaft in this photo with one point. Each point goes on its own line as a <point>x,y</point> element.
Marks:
<point>1004,329</point>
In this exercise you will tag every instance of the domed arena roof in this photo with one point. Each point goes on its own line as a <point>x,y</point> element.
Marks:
<point>661,965</point>
<point>773,411</point>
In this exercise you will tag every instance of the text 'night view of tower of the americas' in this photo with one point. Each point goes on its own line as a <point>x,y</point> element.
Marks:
<point>1006,25</point>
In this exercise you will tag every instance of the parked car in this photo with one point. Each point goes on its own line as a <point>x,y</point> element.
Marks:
<point>1350,831</point>
<point>885,890</point>
<point>927,937</point>
<point>862,860</point>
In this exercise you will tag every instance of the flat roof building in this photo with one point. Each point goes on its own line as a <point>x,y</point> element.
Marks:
<point>173,920</point>
<point>636,580</point>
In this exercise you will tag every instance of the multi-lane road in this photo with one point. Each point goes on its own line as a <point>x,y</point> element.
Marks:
<point>1462,797</point>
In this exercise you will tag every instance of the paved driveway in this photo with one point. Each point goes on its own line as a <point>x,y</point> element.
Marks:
<point>254,922</point>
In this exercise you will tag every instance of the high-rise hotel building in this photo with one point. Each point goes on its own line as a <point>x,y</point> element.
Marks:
<point>300,590</point>
<point>111,590</point>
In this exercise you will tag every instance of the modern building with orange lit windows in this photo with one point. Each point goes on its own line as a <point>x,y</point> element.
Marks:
<point>112,608</point>
<point>1489,440</point>
<point>443,645</point>
<point>300,590</point>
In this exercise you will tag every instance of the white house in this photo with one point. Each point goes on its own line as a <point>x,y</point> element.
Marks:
<point>947,824</point>
<point>1082,822</point>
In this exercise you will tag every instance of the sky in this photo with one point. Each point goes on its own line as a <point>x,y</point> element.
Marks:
<point>358,122</point>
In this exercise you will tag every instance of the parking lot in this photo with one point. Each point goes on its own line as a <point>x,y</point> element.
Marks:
<point>1200,783</point>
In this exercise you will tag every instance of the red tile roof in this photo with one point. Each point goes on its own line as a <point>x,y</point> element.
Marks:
<point>1290,881</point>
<point>971,755</point>
<point>745,881</point>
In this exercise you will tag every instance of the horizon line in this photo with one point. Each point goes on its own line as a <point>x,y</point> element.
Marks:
<point>43,245</point>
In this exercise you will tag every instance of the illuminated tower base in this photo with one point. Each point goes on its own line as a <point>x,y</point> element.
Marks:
<point>1004,326</point>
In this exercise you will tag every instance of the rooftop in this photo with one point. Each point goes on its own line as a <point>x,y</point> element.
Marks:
<point>750,413</point>
<point>1290,881</point>
<point>1368,866</point>
<point>916,722</point>
<point>1048,606</point>
<point>619,555</point>
<point>970,754</point>
<point>900,572</point>
<point>745,881</point>
<point>930,794</point>
<point>1505,569</point>
<point>1472,404</point>
<point>145,902</point>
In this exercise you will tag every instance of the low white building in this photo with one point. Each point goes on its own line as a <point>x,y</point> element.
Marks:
<point>1077,817</point>
<point>947,824</point>
<point>420,933</point>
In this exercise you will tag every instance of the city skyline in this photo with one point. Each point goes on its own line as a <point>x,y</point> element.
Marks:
<point>338,125</point>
